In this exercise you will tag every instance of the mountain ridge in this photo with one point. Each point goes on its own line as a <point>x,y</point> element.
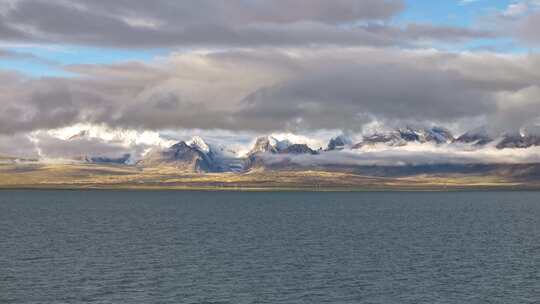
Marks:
<point>269,152</point>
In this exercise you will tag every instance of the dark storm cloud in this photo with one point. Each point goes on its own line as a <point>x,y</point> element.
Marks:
<point>392,92</point>
<point>218,23</point>
<point>27,104</point>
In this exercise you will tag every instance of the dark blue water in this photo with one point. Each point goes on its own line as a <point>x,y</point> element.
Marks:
<point>203,247</point>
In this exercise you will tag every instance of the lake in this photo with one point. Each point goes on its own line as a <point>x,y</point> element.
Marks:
<point>276,247</point>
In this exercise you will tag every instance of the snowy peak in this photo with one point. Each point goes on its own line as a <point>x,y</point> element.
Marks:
<point>338,143</point>
<point>478,137</point>
<point>182,156</point>
<point>195,155</point>
<point>439,135</point>
<point>269,144</point>
<point>402,136</point>
<point>198,143</point>
<point>518,141</point>
<point>281,145</point>
<point>263,145</point>
<point>391,139</point>
<point>513,140</point>
<point>298,149</point>
<point>436,135</point>
<point>221,158</point>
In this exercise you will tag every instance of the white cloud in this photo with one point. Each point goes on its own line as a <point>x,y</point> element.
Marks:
<point>516,9</point>
<point>414,155</point>
<point>467,2</point>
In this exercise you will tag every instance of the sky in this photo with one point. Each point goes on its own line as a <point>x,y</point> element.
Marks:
<point>140,74</point>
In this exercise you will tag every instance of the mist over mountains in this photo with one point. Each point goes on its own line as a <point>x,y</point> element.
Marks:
<point>431,148</point>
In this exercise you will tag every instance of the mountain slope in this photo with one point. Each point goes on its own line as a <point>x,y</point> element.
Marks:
<point>403,136</point>
<point>265,147</point>
<point>518,141</point>
<point>477,137</point>
<point>338,143</point>
<point>181,156</point>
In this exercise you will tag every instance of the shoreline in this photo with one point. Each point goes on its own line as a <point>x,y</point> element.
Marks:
<point>509,188</point>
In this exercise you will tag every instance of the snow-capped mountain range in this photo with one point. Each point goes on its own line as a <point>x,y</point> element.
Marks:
<point>402,136</point>
<point>199,155</point>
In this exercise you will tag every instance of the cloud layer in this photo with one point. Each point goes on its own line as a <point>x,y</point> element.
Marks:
<point>267,90</point>
<point>210,23</point>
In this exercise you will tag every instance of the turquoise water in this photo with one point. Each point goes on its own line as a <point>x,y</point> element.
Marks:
<point>227,247</point>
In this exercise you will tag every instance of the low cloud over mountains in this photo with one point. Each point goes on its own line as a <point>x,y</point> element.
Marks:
<point>234,152</point>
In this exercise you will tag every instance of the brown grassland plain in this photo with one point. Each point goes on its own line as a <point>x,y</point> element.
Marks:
<point>89,176</point>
